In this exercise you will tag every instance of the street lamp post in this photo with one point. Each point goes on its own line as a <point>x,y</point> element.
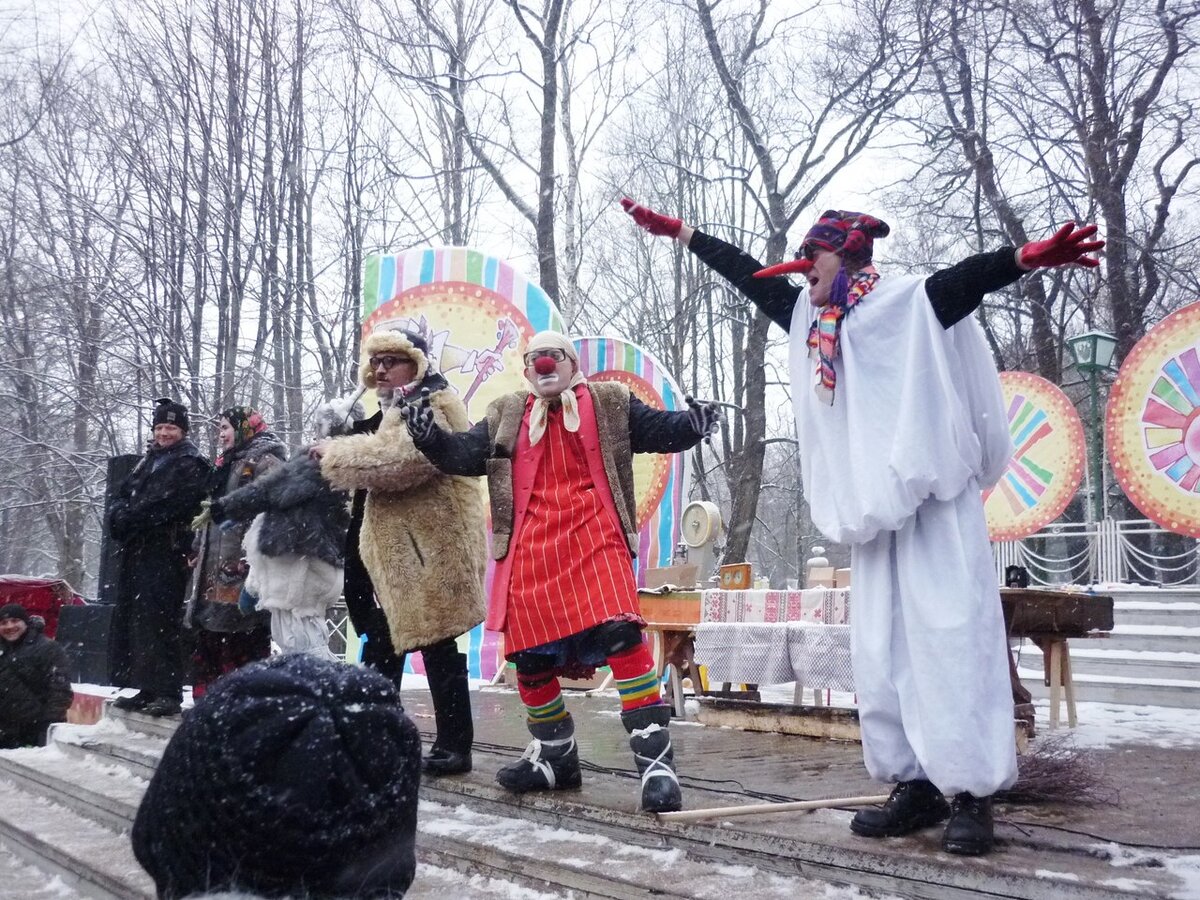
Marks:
<point>1093,354</point>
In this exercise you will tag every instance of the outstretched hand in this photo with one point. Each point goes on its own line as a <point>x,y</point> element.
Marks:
<point>705,417</point>
<point>1066,247</point>
<point>418,416</point>
<point>655,223</point>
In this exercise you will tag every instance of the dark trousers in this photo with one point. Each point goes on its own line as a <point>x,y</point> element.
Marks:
<point>221,652</point>
<point>146,648</point>
<point>450,691</point>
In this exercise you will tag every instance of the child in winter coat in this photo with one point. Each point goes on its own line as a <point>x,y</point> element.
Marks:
<point>295,546</point>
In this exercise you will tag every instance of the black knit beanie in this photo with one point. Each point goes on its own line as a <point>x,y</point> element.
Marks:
<point>295,776</point>
<point>168,412</point>
<point>14,611</point>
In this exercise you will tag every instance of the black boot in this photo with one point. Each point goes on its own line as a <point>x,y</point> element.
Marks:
<point>163,706</point>
<point>651,745</point>
<point>450,691</point>
<point>550,762</point>
<point>969,831</point>
<point>912,806</point>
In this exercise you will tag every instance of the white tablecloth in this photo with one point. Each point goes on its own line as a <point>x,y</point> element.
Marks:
<point>776,653</point>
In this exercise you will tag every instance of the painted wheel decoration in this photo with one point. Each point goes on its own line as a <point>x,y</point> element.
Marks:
<point>1151,423</point>
<point>477,313</point>
<point>1047,462</point>
<point>658,479</point>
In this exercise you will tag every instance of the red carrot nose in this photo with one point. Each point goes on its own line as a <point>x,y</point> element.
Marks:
<point>544,365</point>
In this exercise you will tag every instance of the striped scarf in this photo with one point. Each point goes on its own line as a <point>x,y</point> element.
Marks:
<point>826,328</point>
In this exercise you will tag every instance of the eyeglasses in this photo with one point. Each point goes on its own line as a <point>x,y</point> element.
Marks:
<point>534,355</point>
<point>388,362</point>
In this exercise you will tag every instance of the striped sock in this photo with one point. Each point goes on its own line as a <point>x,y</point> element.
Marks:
<point>542,697</point>
<point>636,677</point>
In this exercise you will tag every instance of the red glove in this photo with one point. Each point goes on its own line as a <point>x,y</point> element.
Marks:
<point>655,223</point>
<point>1067,246</point>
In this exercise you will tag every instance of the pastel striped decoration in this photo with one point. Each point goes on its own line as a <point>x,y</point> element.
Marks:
<point>469,301</point>
<point>659,481</point>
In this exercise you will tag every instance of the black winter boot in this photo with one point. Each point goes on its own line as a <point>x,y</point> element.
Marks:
<point>651,745</point>
<point>912,806</point>
<point>969,831</point>
<point>550,762</point>
<point>140,700</point>
<point>450,691</point>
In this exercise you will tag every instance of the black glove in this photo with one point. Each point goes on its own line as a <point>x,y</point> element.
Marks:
<point>704,416</point>
<point>418,415</point>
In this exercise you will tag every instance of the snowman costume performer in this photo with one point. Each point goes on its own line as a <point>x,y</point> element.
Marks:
<point>559,464</point>
<point>901,425</point>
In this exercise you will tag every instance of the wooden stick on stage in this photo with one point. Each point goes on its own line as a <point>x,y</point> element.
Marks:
<point>729,812</point>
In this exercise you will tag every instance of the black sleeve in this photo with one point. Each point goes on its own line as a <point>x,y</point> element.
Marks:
<point>459,452</point>
<point>172,498</point>
<point>956,292</point>
<point>776,297</point>
<point>59,693</point>
<point>659,431</point>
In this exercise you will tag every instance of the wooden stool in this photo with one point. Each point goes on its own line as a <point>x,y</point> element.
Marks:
<point>1056,661</point>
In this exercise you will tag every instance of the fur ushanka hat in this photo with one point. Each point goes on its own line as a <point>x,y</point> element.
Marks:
<point>396,342</point>
<point>294,777</point>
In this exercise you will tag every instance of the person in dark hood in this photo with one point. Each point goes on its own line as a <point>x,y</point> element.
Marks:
<point>35,681</point>
<point>226,636</point>
<point>296,543</point>
<point>150,521</point>
<point>295,777</point>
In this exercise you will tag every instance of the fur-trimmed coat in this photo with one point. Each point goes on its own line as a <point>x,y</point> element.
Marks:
<point>423,536</point>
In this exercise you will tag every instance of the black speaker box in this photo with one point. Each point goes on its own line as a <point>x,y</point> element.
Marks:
<point>83,633</point>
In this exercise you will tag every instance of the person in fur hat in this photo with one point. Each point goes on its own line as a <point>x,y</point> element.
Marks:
<point>559,464</point>
<point>902,427</point>
<point>423,537</point>
<point>149,520</point>
<point>228,637</point>
<point>295,545</point>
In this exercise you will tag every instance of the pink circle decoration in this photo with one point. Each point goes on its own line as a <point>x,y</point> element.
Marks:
<point>1151,423</point>
<point>1047,462</point>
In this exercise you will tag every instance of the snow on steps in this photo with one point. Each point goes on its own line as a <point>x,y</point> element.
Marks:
<point>92,780</point>
<point>1152,656</point>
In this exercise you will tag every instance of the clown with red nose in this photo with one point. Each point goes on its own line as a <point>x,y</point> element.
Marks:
<point>559,464</point>
<point>901,425</point>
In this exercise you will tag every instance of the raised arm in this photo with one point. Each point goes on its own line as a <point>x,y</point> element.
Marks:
<point>958,291</point>
<point>668,431</point>
<point>776,297</point>
<point>455,453</point>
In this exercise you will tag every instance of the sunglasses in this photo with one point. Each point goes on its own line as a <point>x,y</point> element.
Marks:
<point>534,355</point>
<point>388,362</point>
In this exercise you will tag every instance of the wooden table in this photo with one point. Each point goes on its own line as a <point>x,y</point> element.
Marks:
<point>1049,618</point>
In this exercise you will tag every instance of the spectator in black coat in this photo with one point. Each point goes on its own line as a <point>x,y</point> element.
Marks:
<point>35,681</point>
<point>151,521</point>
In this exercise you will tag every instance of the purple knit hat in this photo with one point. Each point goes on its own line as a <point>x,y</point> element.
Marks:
<point>852,234</point>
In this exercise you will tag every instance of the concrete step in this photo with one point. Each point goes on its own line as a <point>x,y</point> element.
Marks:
<point>1146,612</point>
<point>19,880</point>
<point>903,867</point>
<point>1181,694</point>
<point>1152,664</point>
<point>1136,594</point>
<point>91,859</point>
<point>1167,638</point>
<point>484,852</point>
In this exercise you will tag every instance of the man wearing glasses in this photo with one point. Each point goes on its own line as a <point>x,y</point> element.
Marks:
<point>422,539</point>
<point>559,464</point>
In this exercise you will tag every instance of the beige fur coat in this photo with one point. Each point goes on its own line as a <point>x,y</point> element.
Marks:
<point>423,536</point>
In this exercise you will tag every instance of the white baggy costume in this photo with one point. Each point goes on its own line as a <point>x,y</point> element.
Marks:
<point>894,467</point>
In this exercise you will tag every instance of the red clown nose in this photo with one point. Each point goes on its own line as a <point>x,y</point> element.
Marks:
<point>544,365</point>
